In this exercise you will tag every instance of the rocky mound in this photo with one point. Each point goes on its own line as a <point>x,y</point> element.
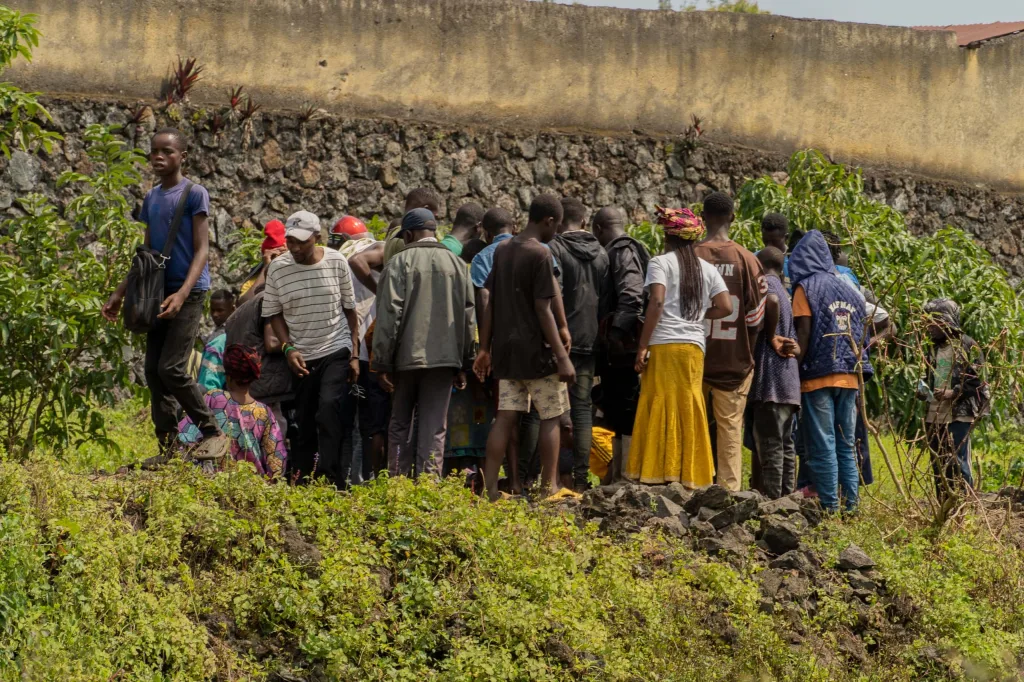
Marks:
<point>766,539</point>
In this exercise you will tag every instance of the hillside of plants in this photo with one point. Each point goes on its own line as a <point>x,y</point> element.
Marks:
<point>122,574</point>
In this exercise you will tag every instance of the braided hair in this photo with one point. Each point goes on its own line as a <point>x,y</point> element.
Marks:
<point>242,364</point>
<point>691,277</point>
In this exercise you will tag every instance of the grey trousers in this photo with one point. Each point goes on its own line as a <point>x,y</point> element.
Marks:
<point>426,392</point>
<point>775,450</point>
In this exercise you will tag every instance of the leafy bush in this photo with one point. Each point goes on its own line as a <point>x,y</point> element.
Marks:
<point>649,235</point>
<point>20,112</point>
<point>244,252</point>
<point>176,575</point>
<point>740,6</point>
<point>904,271</point>
<point>63,358</point>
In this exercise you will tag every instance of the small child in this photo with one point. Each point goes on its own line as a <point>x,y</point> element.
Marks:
<point>775,392</point>
<point>249,424</point>
<point>211,371</point>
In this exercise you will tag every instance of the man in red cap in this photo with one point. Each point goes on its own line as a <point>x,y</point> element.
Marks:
<point>348,229</point>
<point>351,238</point>
<point>272,247</point>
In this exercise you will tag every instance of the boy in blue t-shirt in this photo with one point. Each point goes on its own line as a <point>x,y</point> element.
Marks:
<point>187,282</point>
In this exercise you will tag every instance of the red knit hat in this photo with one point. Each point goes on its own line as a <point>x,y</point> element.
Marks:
<point>275,235</point>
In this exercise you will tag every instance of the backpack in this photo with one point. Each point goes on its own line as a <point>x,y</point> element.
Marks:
<point>245,327</point>
<point>145,290</point>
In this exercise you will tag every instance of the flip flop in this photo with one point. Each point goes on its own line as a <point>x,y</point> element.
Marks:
<point>564,494</point>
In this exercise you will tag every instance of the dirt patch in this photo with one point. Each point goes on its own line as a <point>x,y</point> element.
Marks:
<point>302,552</point>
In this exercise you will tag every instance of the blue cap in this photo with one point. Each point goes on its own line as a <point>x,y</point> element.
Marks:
<point>419,219</point>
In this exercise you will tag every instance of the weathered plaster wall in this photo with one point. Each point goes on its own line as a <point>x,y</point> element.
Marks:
<point>333,166</point>
<point>876,96</point>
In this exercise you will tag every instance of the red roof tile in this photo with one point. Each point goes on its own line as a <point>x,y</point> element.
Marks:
<point>977,33</point>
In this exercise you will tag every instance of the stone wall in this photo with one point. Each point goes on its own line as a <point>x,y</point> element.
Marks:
<point>274,165</point>
<point>870,95</point>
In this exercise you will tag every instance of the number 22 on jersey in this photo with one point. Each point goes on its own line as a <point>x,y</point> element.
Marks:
<point>725,328</point>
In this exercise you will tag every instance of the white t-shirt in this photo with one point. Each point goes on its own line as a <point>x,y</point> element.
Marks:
<point>313,299</point>
<point>672,327</point>
<point>366,310</point>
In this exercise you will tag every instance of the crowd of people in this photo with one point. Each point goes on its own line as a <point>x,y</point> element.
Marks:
<point>529,348</point>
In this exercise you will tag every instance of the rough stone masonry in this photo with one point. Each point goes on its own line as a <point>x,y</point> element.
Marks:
<point>277,163</point>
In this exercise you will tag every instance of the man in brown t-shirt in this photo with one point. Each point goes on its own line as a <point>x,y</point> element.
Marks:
<point>520,341</point>
<point>729,356</point>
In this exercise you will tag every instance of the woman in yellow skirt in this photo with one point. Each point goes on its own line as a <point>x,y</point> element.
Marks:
<point>670,436</point>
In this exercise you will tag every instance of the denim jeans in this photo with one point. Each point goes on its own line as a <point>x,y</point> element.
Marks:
<point>529,437</point>
<point>828,424</point>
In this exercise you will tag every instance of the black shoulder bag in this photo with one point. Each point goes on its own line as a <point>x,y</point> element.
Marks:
<point>145,290</point>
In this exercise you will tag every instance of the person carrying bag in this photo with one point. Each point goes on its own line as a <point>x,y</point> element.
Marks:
<point>164,294</point>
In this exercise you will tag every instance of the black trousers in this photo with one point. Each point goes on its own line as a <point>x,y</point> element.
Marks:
<point>168,349</point>
<point>325,414</point>
<point>620,393</point>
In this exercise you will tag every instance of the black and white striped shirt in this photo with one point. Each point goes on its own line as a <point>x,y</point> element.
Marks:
<point>312,299</point>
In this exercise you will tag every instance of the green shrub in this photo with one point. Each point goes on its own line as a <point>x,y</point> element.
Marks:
<point>180,576</point>
<point>55,274</point>
<point>20,112</point>
<point>904,271</point>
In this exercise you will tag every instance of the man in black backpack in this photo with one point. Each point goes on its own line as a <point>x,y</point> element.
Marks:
<point>622,318</point>
<point>170,342</point>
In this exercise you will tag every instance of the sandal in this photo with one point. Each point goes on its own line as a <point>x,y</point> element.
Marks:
<point>214,447</point>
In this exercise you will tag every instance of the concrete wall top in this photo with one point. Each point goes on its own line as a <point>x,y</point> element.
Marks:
<point>872,95</point>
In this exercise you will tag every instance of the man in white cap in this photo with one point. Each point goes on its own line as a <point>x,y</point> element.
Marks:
<point>311,305</point>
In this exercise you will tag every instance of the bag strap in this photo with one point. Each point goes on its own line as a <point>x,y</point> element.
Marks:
<point>179,214</point>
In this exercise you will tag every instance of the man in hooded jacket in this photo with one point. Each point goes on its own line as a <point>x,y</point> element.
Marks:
<point>584,272</point>
<point>619,332</point>
<point>830,320</point>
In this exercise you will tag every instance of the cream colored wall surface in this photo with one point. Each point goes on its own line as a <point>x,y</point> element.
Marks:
<point>872,95</point>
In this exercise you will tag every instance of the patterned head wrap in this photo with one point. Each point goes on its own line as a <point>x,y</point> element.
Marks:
<point>242,364</point>
<point>680,222</point>
<point>945,311</point>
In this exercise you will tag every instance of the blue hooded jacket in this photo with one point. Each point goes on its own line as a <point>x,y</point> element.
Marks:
<point>837,311</point>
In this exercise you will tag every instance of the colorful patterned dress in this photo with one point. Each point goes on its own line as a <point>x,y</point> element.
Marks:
<point>255,436</point>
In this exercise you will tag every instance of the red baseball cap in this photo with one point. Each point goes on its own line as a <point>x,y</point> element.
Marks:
<point>349,225</point>
<point>275,236</point>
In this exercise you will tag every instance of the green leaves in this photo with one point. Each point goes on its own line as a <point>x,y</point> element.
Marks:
<point>904,271</point>
<point>649,235</point>
<point>20,112</point>
<point>55,272</point>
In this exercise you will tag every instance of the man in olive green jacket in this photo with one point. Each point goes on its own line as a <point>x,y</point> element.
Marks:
<point>422,341</point>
